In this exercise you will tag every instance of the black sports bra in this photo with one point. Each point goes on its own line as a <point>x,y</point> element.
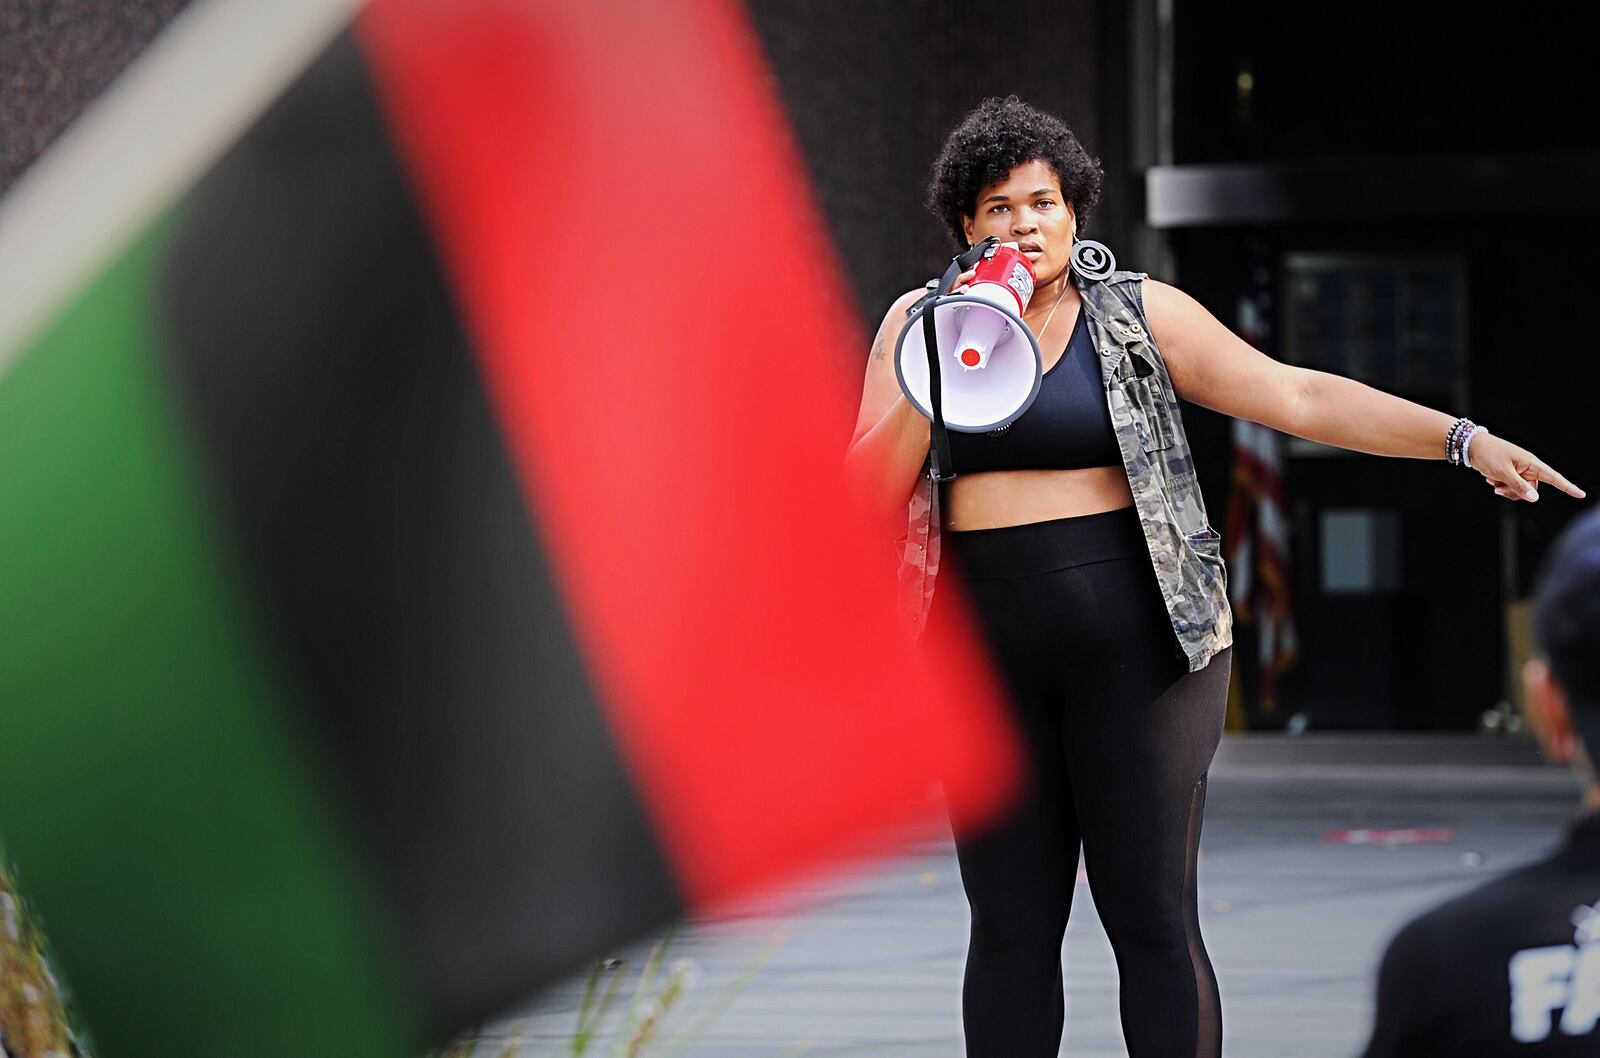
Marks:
<point>1067,426</point>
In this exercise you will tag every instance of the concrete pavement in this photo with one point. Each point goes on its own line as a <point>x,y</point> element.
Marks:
<point>872,959</point>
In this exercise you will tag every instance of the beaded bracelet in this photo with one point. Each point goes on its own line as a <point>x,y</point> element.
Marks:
<point>1466,446</point>
<point>1455,445</point>
<point>1452,454</point>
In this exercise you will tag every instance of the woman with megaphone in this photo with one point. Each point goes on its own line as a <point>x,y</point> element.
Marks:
<point>1056,476</point>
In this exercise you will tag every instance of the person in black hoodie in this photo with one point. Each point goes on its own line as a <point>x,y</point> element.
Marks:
<point>1513,967</point>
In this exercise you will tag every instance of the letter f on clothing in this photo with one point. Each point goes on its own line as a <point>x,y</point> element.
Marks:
<point>1538,988</point>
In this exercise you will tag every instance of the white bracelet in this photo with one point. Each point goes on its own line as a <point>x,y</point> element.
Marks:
<point>1466,448</point>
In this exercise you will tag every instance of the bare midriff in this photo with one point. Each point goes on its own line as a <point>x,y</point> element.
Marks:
<point>993,498</point>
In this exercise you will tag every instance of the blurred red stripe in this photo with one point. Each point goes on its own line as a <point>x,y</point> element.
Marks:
<point>663,325</point>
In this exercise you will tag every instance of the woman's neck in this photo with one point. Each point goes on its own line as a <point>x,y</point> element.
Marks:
<point>1056,294</point>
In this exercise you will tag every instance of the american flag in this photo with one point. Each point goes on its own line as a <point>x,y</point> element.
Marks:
<point>1257,523</point>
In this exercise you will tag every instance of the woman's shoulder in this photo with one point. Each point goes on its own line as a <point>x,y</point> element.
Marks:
<point>1168,311</point>
<point>1165,308</point>
<point>895,316</point>
<point>894,319</point>
<point>902,304</point>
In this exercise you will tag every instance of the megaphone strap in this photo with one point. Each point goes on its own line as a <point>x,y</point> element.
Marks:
<point>940,469</point>
<point>941,286</point>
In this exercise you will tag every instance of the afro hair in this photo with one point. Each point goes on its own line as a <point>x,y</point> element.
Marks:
<point>997,136</point>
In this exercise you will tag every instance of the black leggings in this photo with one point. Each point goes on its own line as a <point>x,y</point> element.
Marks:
<point>1119,737</point>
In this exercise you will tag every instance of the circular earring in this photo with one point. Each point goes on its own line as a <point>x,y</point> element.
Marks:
<point>1092,260</point>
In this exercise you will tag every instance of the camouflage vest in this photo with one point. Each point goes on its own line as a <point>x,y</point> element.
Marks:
<point>1185,550</point>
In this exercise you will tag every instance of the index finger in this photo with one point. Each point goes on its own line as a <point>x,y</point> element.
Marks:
<point>1547,474</point>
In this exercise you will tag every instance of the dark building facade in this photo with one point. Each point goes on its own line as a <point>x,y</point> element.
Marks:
<point>1424,195</point>
<point>1372,150</point>
<point>1422,192</point>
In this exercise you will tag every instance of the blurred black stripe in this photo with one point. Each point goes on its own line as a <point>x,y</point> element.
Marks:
<point>342,414</point>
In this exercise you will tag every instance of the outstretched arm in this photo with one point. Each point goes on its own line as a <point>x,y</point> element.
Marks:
<point>1215,368</point>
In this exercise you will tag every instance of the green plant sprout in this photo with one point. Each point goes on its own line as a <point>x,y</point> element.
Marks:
<point>638,1028</point>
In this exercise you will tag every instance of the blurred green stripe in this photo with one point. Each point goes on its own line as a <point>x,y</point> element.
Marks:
<point>175,840</point>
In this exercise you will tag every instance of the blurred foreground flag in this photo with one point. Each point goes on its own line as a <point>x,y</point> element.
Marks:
<point>414,580</point>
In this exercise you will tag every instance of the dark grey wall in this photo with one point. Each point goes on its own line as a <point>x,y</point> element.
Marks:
<point>1372,79</point>
<point>872,89</point>
<point>56,56</point>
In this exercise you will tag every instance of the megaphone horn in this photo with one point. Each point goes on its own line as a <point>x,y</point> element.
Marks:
<point>989,362</point>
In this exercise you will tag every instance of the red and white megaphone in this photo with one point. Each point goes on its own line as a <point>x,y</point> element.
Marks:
<point>989,362</point>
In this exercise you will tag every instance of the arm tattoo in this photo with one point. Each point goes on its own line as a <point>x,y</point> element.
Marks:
<point>878,352</point>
